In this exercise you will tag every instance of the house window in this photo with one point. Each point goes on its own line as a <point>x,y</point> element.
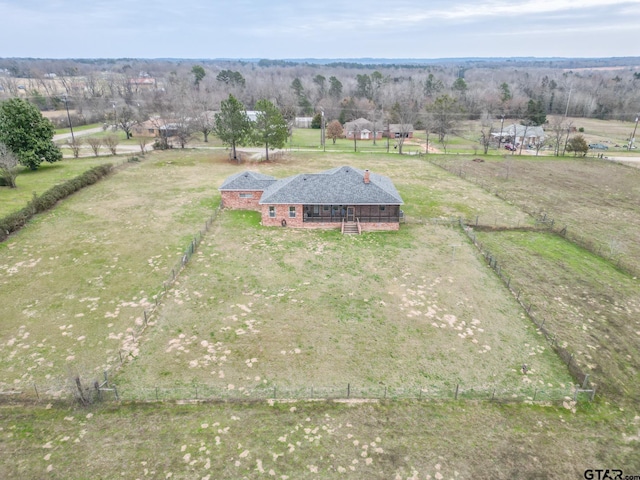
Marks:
<point>272,212</point>
<point>292,212</point>
<point>325,208</point>
<point>246,195</point>
<point>382,208</point>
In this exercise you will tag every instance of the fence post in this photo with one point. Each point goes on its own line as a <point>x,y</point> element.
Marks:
<point>535,392</point>
<point>156,394</point>
<point>585,381</point>
<point>36,389</point>
<point>115,391</point>
<point>456,395</point>
<point>145,317</point>
<point>593,393</point>
<point>348,390</point>
<point>120,353</point>
<point>274,391</point>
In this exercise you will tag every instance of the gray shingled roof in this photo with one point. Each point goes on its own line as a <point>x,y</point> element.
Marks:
<point>338,186</point>
<point>247,181</point>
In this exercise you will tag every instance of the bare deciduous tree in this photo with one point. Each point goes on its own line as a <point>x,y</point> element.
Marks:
<point>446,115</point>
<point>111,142</point>
<point>95,143</point>
<point>9,167</point>
<point>74,145</point>
<point>485,131</point>
<point>142,142</point>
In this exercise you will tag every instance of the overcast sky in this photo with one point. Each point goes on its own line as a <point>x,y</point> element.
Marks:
<point>278,29</point>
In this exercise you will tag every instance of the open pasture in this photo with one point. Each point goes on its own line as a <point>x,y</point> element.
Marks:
<point>88,269</point>
<point>340,308</point>
<point>319,440</point>
<point>588,305</point>
<point>598,201</point>
<point>262,307</point>
<point>75,281</point>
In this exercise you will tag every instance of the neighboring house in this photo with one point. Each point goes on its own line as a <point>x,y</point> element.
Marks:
<point>518,134</point>
<point>398,130</point>
<point>362,129</point>
<point>156,128</point>
<point>343,195</point>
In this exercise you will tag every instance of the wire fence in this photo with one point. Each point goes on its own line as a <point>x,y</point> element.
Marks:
<point>105,391</point>
<point>610,251</point>
<point>353,392</point>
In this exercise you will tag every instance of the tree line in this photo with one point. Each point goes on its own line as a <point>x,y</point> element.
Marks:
<point>184,97</point>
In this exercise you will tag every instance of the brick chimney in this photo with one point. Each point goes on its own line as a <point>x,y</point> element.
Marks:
<point>366,176</point>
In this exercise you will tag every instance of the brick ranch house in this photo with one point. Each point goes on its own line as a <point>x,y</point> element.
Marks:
<point>344,197</point>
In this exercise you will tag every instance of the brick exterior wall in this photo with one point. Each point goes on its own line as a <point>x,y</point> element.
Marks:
<point>235,201</point>
<point>282,213</point>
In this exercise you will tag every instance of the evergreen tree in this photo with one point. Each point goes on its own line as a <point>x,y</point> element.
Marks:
<point>27,133</point>
<point>270,127</point>
<point>232,125</point>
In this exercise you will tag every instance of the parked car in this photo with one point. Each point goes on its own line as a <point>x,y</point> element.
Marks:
<point>510,147</point>
<point>598,146</point>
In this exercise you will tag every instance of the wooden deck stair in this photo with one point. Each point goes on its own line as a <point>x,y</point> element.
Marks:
<point>350,228</point>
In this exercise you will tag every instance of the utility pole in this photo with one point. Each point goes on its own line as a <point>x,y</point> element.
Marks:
<point>323,138</point>
<point>500,138</point>
<point>632,140</point>
<point>69,117</point>
<point>566,112</point>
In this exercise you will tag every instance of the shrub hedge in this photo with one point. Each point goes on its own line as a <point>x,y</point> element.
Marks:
<point>16,220</point>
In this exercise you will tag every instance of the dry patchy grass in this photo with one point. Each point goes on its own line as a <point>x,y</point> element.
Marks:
<point>591,307</point>
<point>315,440</point>
<point>598,201</point>
<point>263,306</point>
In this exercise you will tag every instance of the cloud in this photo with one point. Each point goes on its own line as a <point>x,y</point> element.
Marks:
<point>329,28</point>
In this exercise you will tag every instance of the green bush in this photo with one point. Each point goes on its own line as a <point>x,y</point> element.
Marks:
<point>15,221</point>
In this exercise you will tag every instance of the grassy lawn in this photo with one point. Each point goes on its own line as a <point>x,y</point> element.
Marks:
<point>598,201</point>
<point>415,309</point>
<point>590,305</point>
<point>38,181</point>
<point>316,440</point>
<point>79,128</point>
<point>123,236</point>
<point>87,269</point>
<point>263,307</point>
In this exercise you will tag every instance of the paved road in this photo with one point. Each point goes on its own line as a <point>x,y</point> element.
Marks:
<point>79,133</point>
